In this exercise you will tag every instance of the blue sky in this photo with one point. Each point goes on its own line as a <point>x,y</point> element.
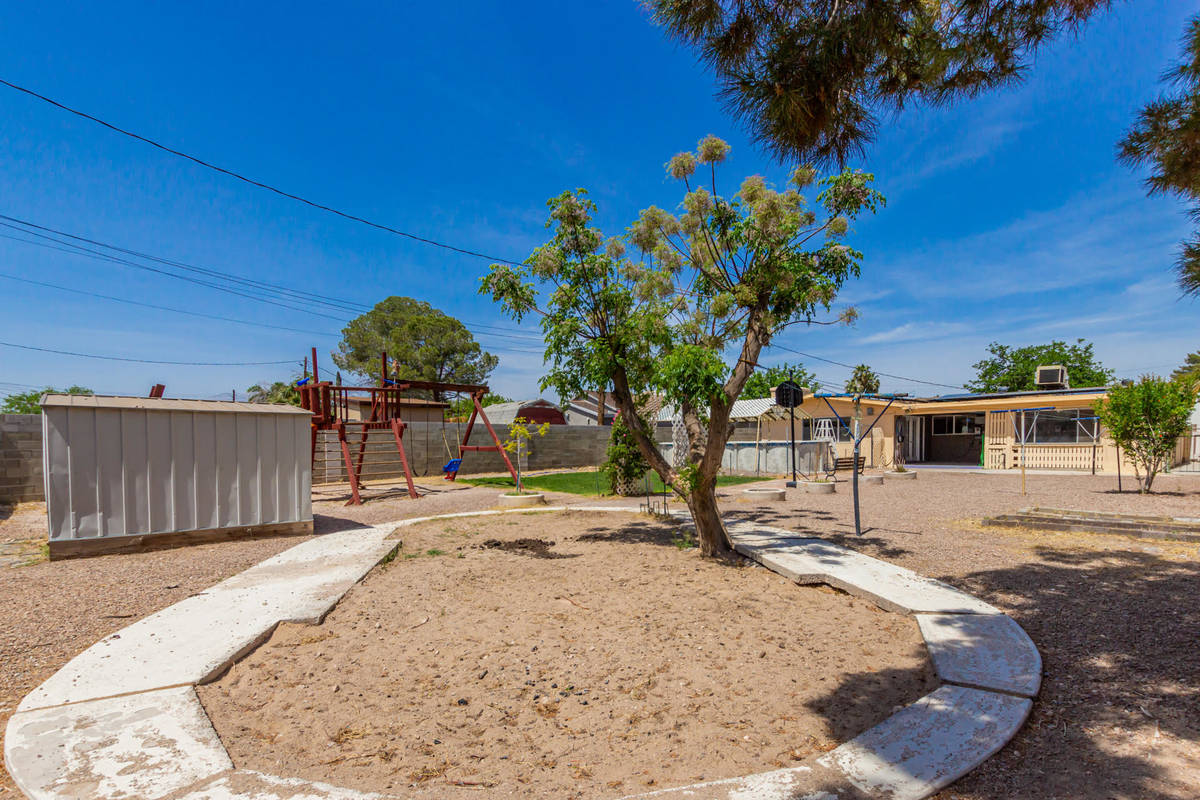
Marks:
<point>1007,219</point>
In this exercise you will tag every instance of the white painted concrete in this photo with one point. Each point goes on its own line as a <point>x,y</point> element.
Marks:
<point>248,785</point>
<point>193,640</point>
<point>891,587</point>
<point>929,744</point>
<point>140,747</point>
<point>152,741</point>
<point>983,651</point>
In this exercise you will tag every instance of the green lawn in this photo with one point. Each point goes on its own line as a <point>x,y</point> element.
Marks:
<point>592,484</point>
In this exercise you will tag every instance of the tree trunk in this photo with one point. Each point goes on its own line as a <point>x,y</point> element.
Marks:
<point>710,528</point>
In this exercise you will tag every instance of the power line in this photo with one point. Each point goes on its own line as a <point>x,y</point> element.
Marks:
<point>254,182</point>
<point>298,296</point>
<point>7,276</point>
<point>88,253</point>
<point>147,360</point>
<point>852,366</point>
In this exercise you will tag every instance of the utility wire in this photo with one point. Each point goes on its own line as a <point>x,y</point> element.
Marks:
<point>147,360</point>
<point>298,296</point>
<point>7,276</point>
<point>852,366</point>
<point>88,253</point>
<point>253,182</point>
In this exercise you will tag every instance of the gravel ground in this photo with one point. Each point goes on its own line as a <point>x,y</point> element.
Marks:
<point>51,611</point>
<point>564,655</point>
<point>1117,620</point>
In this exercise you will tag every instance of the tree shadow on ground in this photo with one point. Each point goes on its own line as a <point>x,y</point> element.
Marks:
<point>1119,710</point>
<point>639,532</point>
<point>823,526</point>
<point>865,699</point>
<point>1118,714</point>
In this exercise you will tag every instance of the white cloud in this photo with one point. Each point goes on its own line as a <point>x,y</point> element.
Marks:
<point>915,331</point>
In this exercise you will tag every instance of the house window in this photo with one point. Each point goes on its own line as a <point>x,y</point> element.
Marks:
<point>954,424</point>
<point>1070,426</point>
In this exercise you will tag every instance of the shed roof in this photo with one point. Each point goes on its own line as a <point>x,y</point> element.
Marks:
<point>166,404</point>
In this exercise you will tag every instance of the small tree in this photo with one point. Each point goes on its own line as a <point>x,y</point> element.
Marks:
<point>1145,419</point>
<point>721,275</point>
<point>31,402</point>
<point>624,462</point>
<point>863,381</point>
<point>519,435</point>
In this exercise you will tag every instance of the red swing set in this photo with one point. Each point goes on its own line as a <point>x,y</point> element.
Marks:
<point>379,409</point>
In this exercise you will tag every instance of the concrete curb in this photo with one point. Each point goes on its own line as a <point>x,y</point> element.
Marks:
<point>121,720</point>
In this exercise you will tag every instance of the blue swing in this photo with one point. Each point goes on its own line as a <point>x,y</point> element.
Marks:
<point>452,465</point>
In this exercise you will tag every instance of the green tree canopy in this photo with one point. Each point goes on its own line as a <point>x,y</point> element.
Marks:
<point>863,381</point>
<point>422,344</point>
<point>1166,137</point>
<point>1013,369</point>
<point>656,310</point>
<point>810,78</point>
<point>30,402</point>
<point>277,392</point>
<point>1190,370</point>
<point>1145,419</point>
<point>763,381</point>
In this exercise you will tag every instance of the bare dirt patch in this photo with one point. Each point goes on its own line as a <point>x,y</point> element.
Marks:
<point>563,655</point>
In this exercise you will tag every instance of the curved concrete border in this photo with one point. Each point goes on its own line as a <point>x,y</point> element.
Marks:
<point>122,720</point>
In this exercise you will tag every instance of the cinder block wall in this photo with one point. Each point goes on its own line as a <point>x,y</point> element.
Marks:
<point>21,458</point>
<point>563,446</point>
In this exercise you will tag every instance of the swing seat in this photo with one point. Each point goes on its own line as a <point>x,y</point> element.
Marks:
<point>451,468</point>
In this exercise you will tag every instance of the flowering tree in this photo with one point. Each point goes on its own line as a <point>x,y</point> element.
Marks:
<point>684,303</point>
<point>517,443</point>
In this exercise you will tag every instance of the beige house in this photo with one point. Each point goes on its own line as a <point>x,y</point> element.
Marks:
<point>1060,429</point>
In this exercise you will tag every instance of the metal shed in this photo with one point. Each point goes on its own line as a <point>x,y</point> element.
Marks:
<point>128,473</point>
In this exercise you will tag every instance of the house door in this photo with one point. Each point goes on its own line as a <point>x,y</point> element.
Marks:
<point>914,438</point>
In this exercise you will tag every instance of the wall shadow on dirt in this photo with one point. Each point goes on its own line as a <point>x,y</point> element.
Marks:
<point>323,523</point>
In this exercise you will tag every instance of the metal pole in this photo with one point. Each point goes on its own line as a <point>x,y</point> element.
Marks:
<point>854,463</point>
<point>1024,435</point>
<point>792,441</point>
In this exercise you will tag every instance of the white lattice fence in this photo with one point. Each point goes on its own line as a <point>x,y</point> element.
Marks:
<point>1054,456</point>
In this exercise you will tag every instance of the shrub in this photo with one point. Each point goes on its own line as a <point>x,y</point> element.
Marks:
<point>624,463</point>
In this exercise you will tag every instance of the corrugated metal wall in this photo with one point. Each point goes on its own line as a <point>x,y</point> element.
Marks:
<point>124,471</point>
